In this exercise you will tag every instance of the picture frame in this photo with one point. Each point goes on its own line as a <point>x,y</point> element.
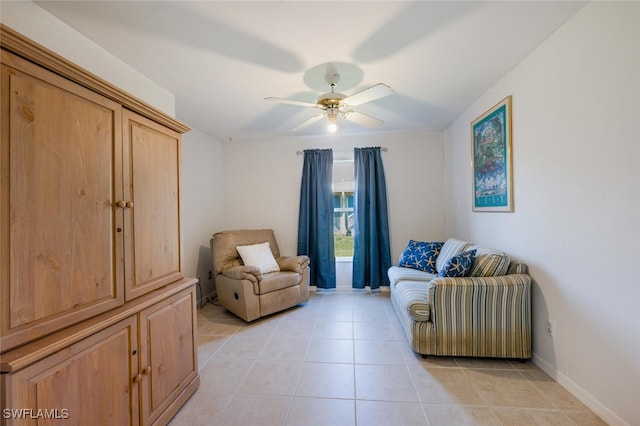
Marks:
<point>491,159</point>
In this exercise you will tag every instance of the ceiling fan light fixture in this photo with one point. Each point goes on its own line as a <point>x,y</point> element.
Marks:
<point>332,117</point>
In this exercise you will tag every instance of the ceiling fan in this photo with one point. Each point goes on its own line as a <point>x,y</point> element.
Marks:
<point>334,104</point>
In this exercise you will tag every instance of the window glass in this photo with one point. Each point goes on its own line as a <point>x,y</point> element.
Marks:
<point>343,203</point>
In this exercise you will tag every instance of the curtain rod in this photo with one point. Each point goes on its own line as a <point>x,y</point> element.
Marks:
<point>385,149</point>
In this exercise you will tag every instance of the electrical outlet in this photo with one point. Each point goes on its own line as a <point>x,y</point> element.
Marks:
<point>210,275</point>
<point>551,327</point>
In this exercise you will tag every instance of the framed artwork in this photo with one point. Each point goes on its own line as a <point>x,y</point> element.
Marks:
<point>491,162</point>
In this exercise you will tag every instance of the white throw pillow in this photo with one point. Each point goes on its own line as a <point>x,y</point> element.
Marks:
<point>260,256</point>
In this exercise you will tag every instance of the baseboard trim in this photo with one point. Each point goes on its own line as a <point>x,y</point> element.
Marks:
<point>585,397</point>
<point>208,298</point>
<point>382,289</point>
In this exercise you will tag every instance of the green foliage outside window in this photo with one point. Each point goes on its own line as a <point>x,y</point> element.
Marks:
<point>343,245</point>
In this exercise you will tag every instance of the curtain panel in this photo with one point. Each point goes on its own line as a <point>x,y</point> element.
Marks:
<point>372,248</point>
<point>315,223</point>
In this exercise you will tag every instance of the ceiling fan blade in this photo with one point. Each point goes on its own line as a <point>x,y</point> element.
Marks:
<point>308,122</point>
<point>378,91</point>
<point>362,119</point>
<point>292,102</point>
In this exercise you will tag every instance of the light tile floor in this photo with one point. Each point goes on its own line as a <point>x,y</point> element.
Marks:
<point>343,359</point>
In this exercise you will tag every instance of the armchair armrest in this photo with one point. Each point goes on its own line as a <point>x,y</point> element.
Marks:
<point>293,263</point>
<point>243,272</point>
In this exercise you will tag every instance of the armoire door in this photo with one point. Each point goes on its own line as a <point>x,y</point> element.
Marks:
<point>60,233</point>
<point>168,358</point>
<point>92,382</point>
<point>151,205</point>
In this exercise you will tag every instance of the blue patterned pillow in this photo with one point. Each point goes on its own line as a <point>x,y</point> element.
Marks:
<point>459,265</point>
<point>421,256</point>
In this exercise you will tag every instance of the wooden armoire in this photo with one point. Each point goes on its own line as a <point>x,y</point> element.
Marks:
<point>97,321</point>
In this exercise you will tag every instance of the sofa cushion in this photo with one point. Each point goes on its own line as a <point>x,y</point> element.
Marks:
<point>517,268</point>
<point>400,273</point>
<point>459,265</point>
<point>260,256</point>
<point>450,248</point>
<point>414,295</point>
<point>421,255</point>
<point>489,262</point>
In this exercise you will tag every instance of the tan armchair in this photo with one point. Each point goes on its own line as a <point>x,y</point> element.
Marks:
<point>244,289</point>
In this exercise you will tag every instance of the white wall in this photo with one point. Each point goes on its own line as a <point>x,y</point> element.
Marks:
<point>40,26</point>
<point>263,183</point>
<point>202,203</point>
<point>576,146</point>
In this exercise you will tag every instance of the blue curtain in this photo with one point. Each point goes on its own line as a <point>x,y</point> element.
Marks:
<point>315,224</point>
<point>371,245</point>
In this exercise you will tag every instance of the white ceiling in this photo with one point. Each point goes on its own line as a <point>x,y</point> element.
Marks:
<point>221,59</point>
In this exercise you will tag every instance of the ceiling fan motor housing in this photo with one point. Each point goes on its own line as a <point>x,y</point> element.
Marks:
<point>331,100</point>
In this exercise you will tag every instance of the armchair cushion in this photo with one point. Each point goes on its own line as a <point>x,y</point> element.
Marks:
<point>223,246</point>
<point>277,281</point>
<point>259,255</point>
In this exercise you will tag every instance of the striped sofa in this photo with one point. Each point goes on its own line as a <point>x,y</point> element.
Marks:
<point>486,313</point>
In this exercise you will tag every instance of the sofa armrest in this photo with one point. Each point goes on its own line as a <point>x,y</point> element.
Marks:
<point>401,273</point>
<point>500,280</point>
<point>243,272</point>
<point>414,295</point>
<point>293,263</point>
<point>483,316</point>
<point>465,291</point>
